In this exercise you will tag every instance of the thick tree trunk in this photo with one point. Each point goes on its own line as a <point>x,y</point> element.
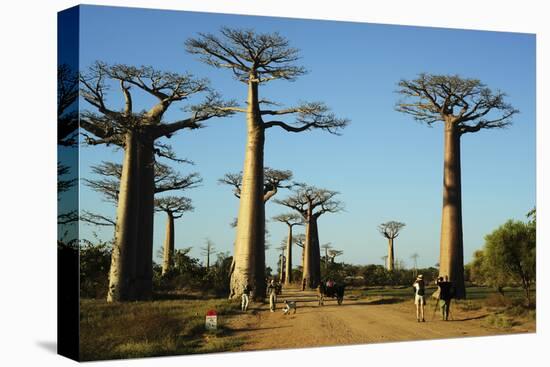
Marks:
<point>168,261</point>
<point>288,270</point>
<point>391,258</point>
<point>146,216</point>
<point>122,274</point>
<point>451,261</point>
<point>312,259</point>
<point>282,269</point>
<point>249,253</point>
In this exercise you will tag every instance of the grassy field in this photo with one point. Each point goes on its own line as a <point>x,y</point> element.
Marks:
<point>158,328</point>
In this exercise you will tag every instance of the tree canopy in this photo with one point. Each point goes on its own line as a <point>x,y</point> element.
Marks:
<point>467,102</point>
<point>305,197</point>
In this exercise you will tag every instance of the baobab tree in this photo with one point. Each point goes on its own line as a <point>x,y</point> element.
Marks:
<point>332,254</point>
<point>385,260</point>
<point>256,59</point>
<point>174,207</point>
<point>390,230</point>
<point>273,181</point>
<point>208,250</point>
<point>463,106</point>
<point>282,262</point>
<point>291,220</point>
<point>326,247</point>
<point>312,202</point>
<point>137,131</point>
<point>300,241</point>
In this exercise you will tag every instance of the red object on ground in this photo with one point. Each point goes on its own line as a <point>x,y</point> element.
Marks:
<point>211,313</point>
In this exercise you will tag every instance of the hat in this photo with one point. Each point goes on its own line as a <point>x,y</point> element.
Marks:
<point>419,276</point>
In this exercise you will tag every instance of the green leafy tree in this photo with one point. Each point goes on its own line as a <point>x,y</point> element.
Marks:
<point>511,251</point>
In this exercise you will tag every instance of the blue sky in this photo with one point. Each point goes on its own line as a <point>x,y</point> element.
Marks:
<point>386,165</point>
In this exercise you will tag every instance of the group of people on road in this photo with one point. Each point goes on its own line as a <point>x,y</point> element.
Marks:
<point>443,296</point>
<point>273,289</point>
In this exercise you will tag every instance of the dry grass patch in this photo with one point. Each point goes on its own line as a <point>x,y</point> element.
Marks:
<point>158,328</point>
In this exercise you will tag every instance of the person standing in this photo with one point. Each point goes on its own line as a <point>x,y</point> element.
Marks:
<point>445,296</point>
<point>272,292</point>
<point>245,298</point>
<point>419,300</point>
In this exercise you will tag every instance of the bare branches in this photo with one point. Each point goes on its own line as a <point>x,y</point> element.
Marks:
<point>235,180</point>
<point>212,106</point>
<point>310,115</point>
<point>290,219</point>
<point>67,114</point>
<point>273,180</point>
<point>64,185</point>
<point>166,179</point>
<point>468,103</point>
<point>108,184</point>
<point>96,219</point>
<point>251,56</point>
<point>390,229</point>
<point>305,199</point>
<point>166,87</point>
<point>174,206</point>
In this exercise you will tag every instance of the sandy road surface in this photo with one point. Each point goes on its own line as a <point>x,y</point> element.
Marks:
<point>358,321</point>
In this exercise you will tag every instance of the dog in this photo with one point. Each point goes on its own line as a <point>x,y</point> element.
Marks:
<point>289,305</point>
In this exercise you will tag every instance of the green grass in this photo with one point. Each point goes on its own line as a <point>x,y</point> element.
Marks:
<point>157,328</point>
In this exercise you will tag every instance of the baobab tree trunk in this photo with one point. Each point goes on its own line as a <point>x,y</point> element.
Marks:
<point>282,269</point>
<point>312,259</point>
<point>123,259</point>
<point>288,271</point>
<point>451,260</point>
<point>144,264</point>
<point>168,261</point>
<point>390,254</point>
<point>249,251</point>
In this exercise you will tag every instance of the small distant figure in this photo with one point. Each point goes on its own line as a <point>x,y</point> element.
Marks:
<point>321,294</point>
<point>272,292</point>
<point>445,296</point>
<point>304,283</point>
<point>289,305</point>
<point>245,298</point>
<point>419,300</point>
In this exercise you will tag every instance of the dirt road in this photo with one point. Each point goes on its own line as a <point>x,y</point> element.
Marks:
<point>357,321</point>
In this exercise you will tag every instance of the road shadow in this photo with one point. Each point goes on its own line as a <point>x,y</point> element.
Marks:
<point>385,301</point>
<point>470,318</point>
<point>258,328</point>
<point>48,345</point>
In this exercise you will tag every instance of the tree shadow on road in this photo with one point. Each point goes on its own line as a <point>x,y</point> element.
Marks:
<point>470,318</point>
<point>385,301</point>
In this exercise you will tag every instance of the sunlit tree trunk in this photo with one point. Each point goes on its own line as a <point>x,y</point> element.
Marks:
<point>451,260</point>
<point>123,260</point>
<point>168,261</point>
<point>288,272</point>
<point>249,242</point>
